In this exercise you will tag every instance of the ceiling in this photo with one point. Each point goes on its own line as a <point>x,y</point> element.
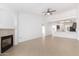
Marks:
<point>38,8</point>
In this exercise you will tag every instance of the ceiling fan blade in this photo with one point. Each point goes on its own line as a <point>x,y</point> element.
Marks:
<point>53,11</point>
<point>45,14</point>
<point>50,13</point>
<point>48,9</point>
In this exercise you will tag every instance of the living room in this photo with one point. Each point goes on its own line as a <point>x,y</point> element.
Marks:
<point>39,29</point>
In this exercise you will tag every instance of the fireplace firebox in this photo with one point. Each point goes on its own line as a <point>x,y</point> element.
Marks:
<point>6,42</point>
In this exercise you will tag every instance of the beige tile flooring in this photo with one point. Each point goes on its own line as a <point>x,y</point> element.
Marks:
<point>49,47</point>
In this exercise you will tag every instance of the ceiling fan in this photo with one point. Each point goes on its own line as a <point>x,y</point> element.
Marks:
<point>49,11</point>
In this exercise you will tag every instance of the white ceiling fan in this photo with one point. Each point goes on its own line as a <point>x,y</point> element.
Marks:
<point>49,11</point>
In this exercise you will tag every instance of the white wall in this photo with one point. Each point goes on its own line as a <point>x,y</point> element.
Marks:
<point>29,26</point>
<point>6,19</point>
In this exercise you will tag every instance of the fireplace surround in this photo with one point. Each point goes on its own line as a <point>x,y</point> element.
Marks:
<point>6,39</point>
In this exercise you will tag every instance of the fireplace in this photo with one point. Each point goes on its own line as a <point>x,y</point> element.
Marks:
<point>6,42</point>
